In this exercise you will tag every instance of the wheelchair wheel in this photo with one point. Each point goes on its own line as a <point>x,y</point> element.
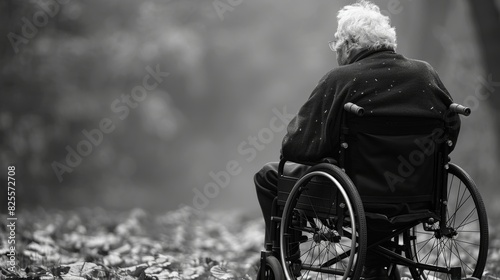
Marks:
<point>272,271</point>
<point>464,241</point>
<point>326,239</point>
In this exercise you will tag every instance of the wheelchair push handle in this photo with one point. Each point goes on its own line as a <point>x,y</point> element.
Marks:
<point>355,109</point>
<point>359,111</point>
<point>459,109</point>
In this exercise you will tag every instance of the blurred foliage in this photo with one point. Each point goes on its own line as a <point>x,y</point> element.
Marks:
<point>66,77</point>
<point>226,73</point>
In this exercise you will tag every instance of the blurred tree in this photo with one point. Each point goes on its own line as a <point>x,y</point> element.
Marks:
<point>486,17</point>
<point>63,63</point>
<point>428,19</point>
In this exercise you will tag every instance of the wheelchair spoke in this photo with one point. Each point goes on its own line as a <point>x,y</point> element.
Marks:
<point>305,264</point>
<point>335,260</point>
<point>470,231</point>
<point>458,203</point>
<point>450,184</point>
<point>344,253</point>
<point>448,217</point>
<point>466,242</point>
<point>456,211</point>
<point>317,255</point>
<point>462,195</point>
<point>439,251</point>
<point>324,248</point>
<point>434,246</point>
<point>426,242</point>
<point>314,209</point>
<point>464,264</point>
<point>457,254</point>
<point>466,218</point>
<point>326,256</point>
<point>308,252</point>
<point>448,245</point>
<point>449,192</point>
<point>465,250</point>
<point>445,245</point>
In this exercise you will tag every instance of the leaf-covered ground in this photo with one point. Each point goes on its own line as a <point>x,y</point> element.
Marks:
<point>181,244</point>
<point>97,244</point>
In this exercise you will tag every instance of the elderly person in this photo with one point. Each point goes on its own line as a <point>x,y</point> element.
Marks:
<point>372,75</point>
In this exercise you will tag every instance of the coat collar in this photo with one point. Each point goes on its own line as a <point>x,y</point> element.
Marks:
<point>359,54</point>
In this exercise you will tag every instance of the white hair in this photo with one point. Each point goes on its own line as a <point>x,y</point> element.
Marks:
<point>363,26</point>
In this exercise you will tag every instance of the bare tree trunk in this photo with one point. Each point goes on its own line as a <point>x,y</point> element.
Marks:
<point>7,11</point>
<point>487,23</point>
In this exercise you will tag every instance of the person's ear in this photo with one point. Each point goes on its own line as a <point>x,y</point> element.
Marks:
<point>346,48</point>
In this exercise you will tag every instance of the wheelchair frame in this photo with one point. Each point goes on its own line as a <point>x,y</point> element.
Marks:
<point>273,258</point>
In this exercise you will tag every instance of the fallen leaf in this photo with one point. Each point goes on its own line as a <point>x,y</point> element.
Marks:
<point>72,277</point>
<point>60,270</point>
<point>221,273</point>
<point>82,268</point>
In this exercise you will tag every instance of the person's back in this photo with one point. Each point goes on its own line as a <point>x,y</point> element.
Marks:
<point>381,81</point>
<point>386,83</point>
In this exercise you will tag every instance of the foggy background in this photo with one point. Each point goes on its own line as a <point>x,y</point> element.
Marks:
<point>224,69</point>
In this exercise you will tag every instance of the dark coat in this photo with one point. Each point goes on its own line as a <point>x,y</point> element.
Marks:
<point>383,82</point>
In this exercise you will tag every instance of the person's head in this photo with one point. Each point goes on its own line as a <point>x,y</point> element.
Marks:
<point>360,26</point>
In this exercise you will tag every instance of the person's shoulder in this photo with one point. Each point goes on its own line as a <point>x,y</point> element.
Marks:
<point>335,74</point>
<point>326,76</point>
<point>420,64</point>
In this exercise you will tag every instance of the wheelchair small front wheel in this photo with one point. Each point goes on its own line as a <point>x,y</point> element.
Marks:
<point>272,270</point>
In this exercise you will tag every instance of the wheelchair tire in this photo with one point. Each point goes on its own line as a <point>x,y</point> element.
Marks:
<point>464,242</point>
<point>273,270</point>
<point>325,250</point>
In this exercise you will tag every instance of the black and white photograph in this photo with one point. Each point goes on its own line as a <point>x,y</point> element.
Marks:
<point>250,139</point>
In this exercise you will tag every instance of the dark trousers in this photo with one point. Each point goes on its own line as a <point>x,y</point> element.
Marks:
<point>266,182</point>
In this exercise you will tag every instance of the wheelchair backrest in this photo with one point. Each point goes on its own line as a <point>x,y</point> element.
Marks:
<point>395,162</point>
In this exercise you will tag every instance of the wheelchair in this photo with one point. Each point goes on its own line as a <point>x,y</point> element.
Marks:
<point>393,172</point>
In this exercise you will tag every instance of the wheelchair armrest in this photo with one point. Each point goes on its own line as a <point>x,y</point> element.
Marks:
<point>330,160</point>
<point>283,160</point>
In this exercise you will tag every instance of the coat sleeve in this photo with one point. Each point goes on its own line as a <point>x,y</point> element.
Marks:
<point>308,137</point>
<point>452,119</point>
